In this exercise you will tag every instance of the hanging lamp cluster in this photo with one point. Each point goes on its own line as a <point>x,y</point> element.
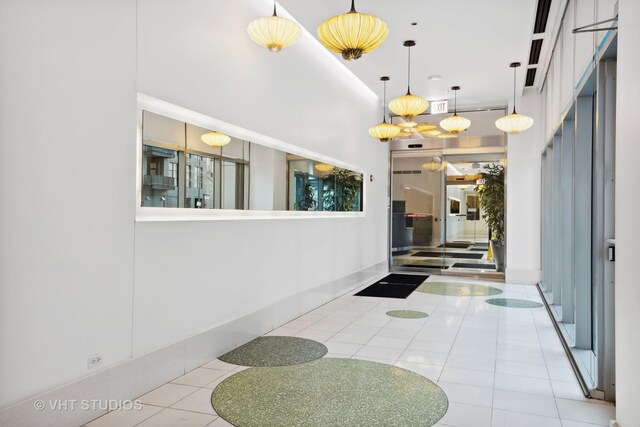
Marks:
<point>514,123</point>
<point>274,32</point>
<point>350,34</point>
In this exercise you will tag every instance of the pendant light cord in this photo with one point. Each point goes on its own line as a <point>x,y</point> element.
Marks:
<point>353,7</point>
<point>274,8</point>
<point>409,74</point>
<point>384,102</point>
<point>514,90</point>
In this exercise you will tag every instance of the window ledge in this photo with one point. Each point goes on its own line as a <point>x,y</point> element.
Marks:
<point>181,214</point>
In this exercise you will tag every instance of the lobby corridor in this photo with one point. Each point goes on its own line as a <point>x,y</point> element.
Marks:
<point>498,365</point>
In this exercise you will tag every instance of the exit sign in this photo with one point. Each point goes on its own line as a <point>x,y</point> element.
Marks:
<point>439,107</point>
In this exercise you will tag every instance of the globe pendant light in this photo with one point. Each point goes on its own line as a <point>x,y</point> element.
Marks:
<point>324,167</point>
<point>274,32</point>
<point>432,165</point>
<point>352,34</point>
<point>514,123</point>
<point>408,106</point>
<point>384,131</point>
<point>215,139</point>
<point>434,132</point>
<point>455,124</point>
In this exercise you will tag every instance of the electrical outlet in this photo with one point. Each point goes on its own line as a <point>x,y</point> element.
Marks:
<point>94,361</point>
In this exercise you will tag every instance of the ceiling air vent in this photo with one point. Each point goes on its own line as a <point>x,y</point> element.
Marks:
<point>534,55</point>
<point>415,145</point>
<point>542,15</point>
<point>531,77</point>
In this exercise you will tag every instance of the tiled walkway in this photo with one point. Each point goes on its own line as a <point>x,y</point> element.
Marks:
<point>498,366</point>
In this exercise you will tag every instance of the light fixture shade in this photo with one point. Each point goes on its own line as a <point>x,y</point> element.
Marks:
<point>514,123</point>
<point>423,127</point>
<point>408,106</point>
<point>432,166</point>
<point>384,131</point>
<point>215,139</point>
<point>274,32</point>
<point>324,167</point>
<point>455,124</point>
<point>447,135</point>
<point>352,34</point>
<point>432,132</point>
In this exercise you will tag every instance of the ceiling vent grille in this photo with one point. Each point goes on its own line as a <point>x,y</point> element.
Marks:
<point>534,55</point>
<point>416,172</point>
<point>531,77</point>
<point>542,15</point>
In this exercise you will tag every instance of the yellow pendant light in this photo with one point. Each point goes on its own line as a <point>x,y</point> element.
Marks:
<point>455,124</point>
<point>352,34</point>
<point>424,127</point>
<point>514,123</point>
<point>408,106</point>
<point>447,135</point>
<point>215,139</point>
<point>384,131</point>
<point>274,32</point>
<point>433,132</point>
<point>432,165</point>
<point>323,167</point>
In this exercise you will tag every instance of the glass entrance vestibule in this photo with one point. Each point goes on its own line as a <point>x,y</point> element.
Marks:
<point>437,224</point>
<point>578,236</point>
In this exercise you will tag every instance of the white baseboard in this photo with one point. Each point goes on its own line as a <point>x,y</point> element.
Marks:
<point>522,277</point>
<point>138,376</point>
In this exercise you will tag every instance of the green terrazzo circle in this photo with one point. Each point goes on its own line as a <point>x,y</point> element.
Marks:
<point>407,314</point>
<point>513,303</point>
<point>275,351</point>
<point>329,392</point>
<point>458,289</point>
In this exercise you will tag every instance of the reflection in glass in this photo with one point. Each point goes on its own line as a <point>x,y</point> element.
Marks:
<point>200,182</point>
<point>160,177</point>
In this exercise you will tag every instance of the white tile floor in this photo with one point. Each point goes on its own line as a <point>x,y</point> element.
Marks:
<point>498,366</point>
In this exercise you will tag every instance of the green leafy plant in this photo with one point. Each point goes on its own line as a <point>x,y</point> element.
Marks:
<point>305,198</point>
<point>341,189</point>
<point>492,198</point>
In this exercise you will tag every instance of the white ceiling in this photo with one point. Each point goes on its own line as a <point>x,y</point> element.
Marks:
<point>469,43</point>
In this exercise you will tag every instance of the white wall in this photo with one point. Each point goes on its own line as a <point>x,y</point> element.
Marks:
<point>523,195</point>
<point>67,216</point>
<point>68,288</point>
<point>627,208</point>
<point>268,188</point>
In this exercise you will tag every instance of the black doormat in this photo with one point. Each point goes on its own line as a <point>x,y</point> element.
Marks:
<point>476,266</point>
<point>455,245</point>
<point>459,255</point>
<point>479,249</point>
<point>393,286</point>
<point>432,266</point>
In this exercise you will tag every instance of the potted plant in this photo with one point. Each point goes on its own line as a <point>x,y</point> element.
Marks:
<point>341,189</point>
<point>491,193</point>
<point>305,197</point>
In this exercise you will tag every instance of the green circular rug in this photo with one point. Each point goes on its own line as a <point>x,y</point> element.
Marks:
<point>329,392</point>
<point>458,289</point>
<point>407,314</point>
<point>275,351</point>
<point>513,303</point>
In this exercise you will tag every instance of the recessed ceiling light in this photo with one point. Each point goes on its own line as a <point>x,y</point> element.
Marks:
<point>434,77</point>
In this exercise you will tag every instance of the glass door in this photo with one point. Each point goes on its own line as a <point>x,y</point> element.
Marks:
<point>417,230</point>
<point>466,234</point>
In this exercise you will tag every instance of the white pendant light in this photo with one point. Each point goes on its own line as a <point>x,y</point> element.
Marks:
<point>384,131</point>
<point>215,139</point>
<point>408,106</point>
<point>274,32</point>
<point>514,123</point>
<point>455,124</point>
